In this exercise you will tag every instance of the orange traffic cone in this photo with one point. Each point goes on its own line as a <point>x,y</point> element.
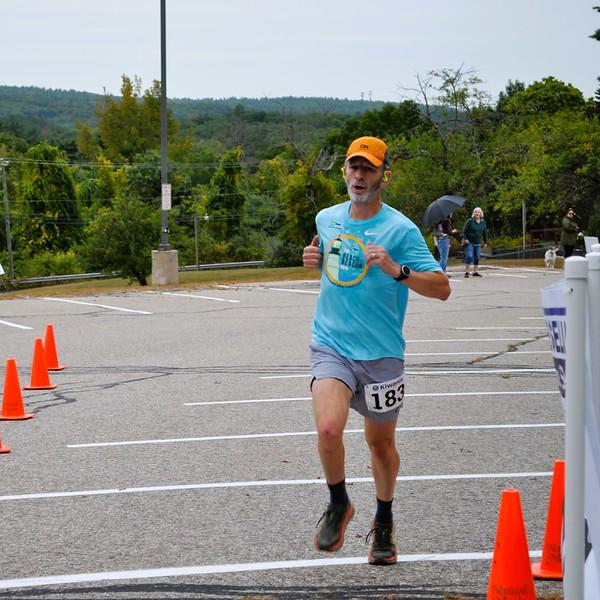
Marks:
<point>550,566</point>
<point>39,371</point>
<point>12,399</point>
<point>4,449</point>
<point>510,576</point>
<point>50,350</point>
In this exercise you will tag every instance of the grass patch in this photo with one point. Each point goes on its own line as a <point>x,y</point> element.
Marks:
<point>206,277</point>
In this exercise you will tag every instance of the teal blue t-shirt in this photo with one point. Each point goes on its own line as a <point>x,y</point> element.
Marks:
<point>360,310</point>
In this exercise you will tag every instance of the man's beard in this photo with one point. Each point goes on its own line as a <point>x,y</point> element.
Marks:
<point>367,196</point>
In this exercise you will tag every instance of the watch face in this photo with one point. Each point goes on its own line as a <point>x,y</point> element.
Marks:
<point>405,271</point>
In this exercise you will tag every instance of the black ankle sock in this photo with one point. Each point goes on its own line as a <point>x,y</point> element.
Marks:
<point>337,493</point>
<point>384,511</point>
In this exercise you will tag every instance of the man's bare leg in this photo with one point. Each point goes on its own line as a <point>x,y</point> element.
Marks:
<point>331,404</point>
<point>385,462</point>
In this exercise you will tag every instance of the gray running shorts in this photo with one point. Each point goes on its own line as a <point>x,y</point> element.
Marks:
<point>380,402</point>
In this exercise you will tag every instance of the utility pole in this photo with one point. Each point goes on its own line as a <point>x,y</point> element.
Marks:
<point>196,239</point>
<point>524,223</point>
<point>11,271</point>
<point>164,169</point>
<point>165,266</point>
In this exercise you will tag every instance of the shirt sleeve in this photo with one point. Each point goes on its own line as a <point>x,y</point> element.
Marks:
<point>415,253</point>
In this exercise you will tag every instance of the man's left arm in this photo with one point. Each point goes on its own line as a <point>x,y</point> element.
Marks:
<point>432,284</point>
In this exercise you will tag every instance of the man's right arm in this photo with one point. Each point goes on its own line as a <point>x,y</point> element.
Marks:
<point>311,256</point>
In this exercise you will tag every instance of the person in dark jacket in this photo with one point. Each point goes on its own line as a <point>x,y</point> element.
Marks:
<point>474,233</point>
<point>442,232</point>
<point>568,233</point>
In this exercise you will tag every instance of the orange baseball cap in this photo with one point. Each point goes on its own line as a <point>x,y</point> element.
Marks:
<point>371,148</point>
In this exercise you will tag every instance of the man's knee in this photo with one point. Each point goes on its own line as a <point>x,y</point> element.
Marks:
<point>383,448</point>
<point>330,433</point>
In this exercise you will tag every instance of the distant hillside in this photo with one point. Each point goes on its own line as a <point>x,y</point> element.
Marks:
<point>64,108</point>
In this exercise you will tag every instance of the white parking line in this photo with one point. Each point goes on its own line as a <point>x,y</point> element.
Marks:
<point>107,306</point>
<point>236,568</point>
<point>440,394</point>
<point>479,353</point>
<point>198,296</point>
<point>435,372</point>
<point>264,483</point>
<point>254,436</point>
<point>469,340</point>
<point>294,291</point>
<point>475,328</point>
<point>9,324</point>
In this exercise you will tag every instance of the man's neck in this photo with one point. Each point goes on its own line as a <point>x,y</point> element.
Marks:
<point>362,211</point>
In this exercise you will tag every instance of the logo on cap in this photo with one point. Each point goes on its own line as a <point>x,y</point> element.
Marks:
<point>371,148</point>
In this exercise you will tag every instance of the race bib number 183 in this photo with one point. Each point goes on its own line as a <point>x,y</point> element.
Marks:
<point>385,396</point>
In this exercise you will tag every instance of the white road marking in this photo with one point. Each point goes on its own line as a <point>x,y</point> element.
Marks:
<point>253,436</point>
<point>198,296</point>
<point>435,372</point>
<point>236,568</point>
<point>107,306</point>
<point>521,269</point>
<point>469,340</point>
<point>476,353</point>
<point>294,291</point>
<point>507,275</point>
<point>532,318</point>
<point>9,324</point>
<point>476,328</point>
<point>440,394</point>
<point>263,483</point>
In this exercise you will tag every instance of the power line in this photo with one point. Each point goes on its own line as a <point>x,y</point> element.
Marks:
<point>174,165</point>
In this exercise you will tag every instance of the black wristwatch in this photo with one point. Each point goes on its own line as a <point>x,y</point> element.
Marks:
<point>404,273</point>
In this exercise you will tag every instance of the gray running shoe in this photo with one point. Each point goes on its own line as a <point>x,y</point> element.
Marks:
<point>333,522</point>
<point>383,545</point>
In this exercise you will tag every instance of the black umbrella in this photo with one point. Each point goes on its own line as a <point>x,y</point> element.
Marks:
<point>441,208</point>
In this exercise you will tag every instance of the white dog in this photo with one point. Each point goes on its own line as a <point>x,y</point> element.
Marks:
<point>550,258</point>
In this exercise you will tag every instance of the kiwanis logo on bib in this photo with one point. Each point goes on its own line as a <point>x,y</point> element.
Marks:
<point>346,260</point>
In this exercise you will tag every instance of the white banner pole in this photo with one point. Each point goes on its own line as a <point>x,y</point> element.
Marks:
<point>576,272</point>
<point>593,258</point>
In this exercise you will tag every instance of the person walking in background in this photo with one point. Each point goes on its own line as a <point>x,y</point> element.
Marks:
<point>568,233</point>
<point>473,234</point>
<point>370,256</point>
<point>442,233</point>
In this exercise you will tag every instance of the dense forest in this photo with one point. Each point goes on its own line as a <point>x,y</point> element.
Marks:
<point>83,175</point>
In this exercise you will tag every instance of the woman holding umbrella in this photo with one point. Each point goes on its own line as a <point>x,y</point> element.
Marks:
<point>474,233</point>
<point>439,216</point>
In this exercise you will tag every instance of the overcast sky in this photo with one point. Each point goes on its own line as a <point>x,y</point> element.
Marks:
<point>257,48</point>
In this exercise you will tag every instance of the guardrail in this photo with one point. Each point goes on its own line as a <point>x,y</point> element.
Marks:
<point>230,265</point>
<point>80,276</point>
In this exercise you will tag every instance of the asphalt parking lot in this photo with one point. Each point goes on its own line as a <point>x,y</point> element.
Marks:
<point>176,458</point>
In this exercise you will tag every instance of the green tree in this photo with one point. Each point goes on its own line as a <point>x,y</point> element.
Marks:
<point>308,191</point>
<point>128,125</point>
<point>445,154</point>
<point>226,206</point>
<point>551,162</point>
<point>512,88</point>
<point>86,141</point>
<point>121,239</point>
<point>596,36</point>
<point>545,97</point>
<point>390,121</point>
<point>48,216</point>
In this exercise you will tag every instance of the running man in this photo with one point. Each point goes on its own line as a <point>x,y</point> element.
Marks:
<point>370,255</point>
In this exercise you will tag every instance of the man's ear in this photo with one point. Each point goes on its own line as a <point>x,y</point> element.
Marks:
<point>387,176</point>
